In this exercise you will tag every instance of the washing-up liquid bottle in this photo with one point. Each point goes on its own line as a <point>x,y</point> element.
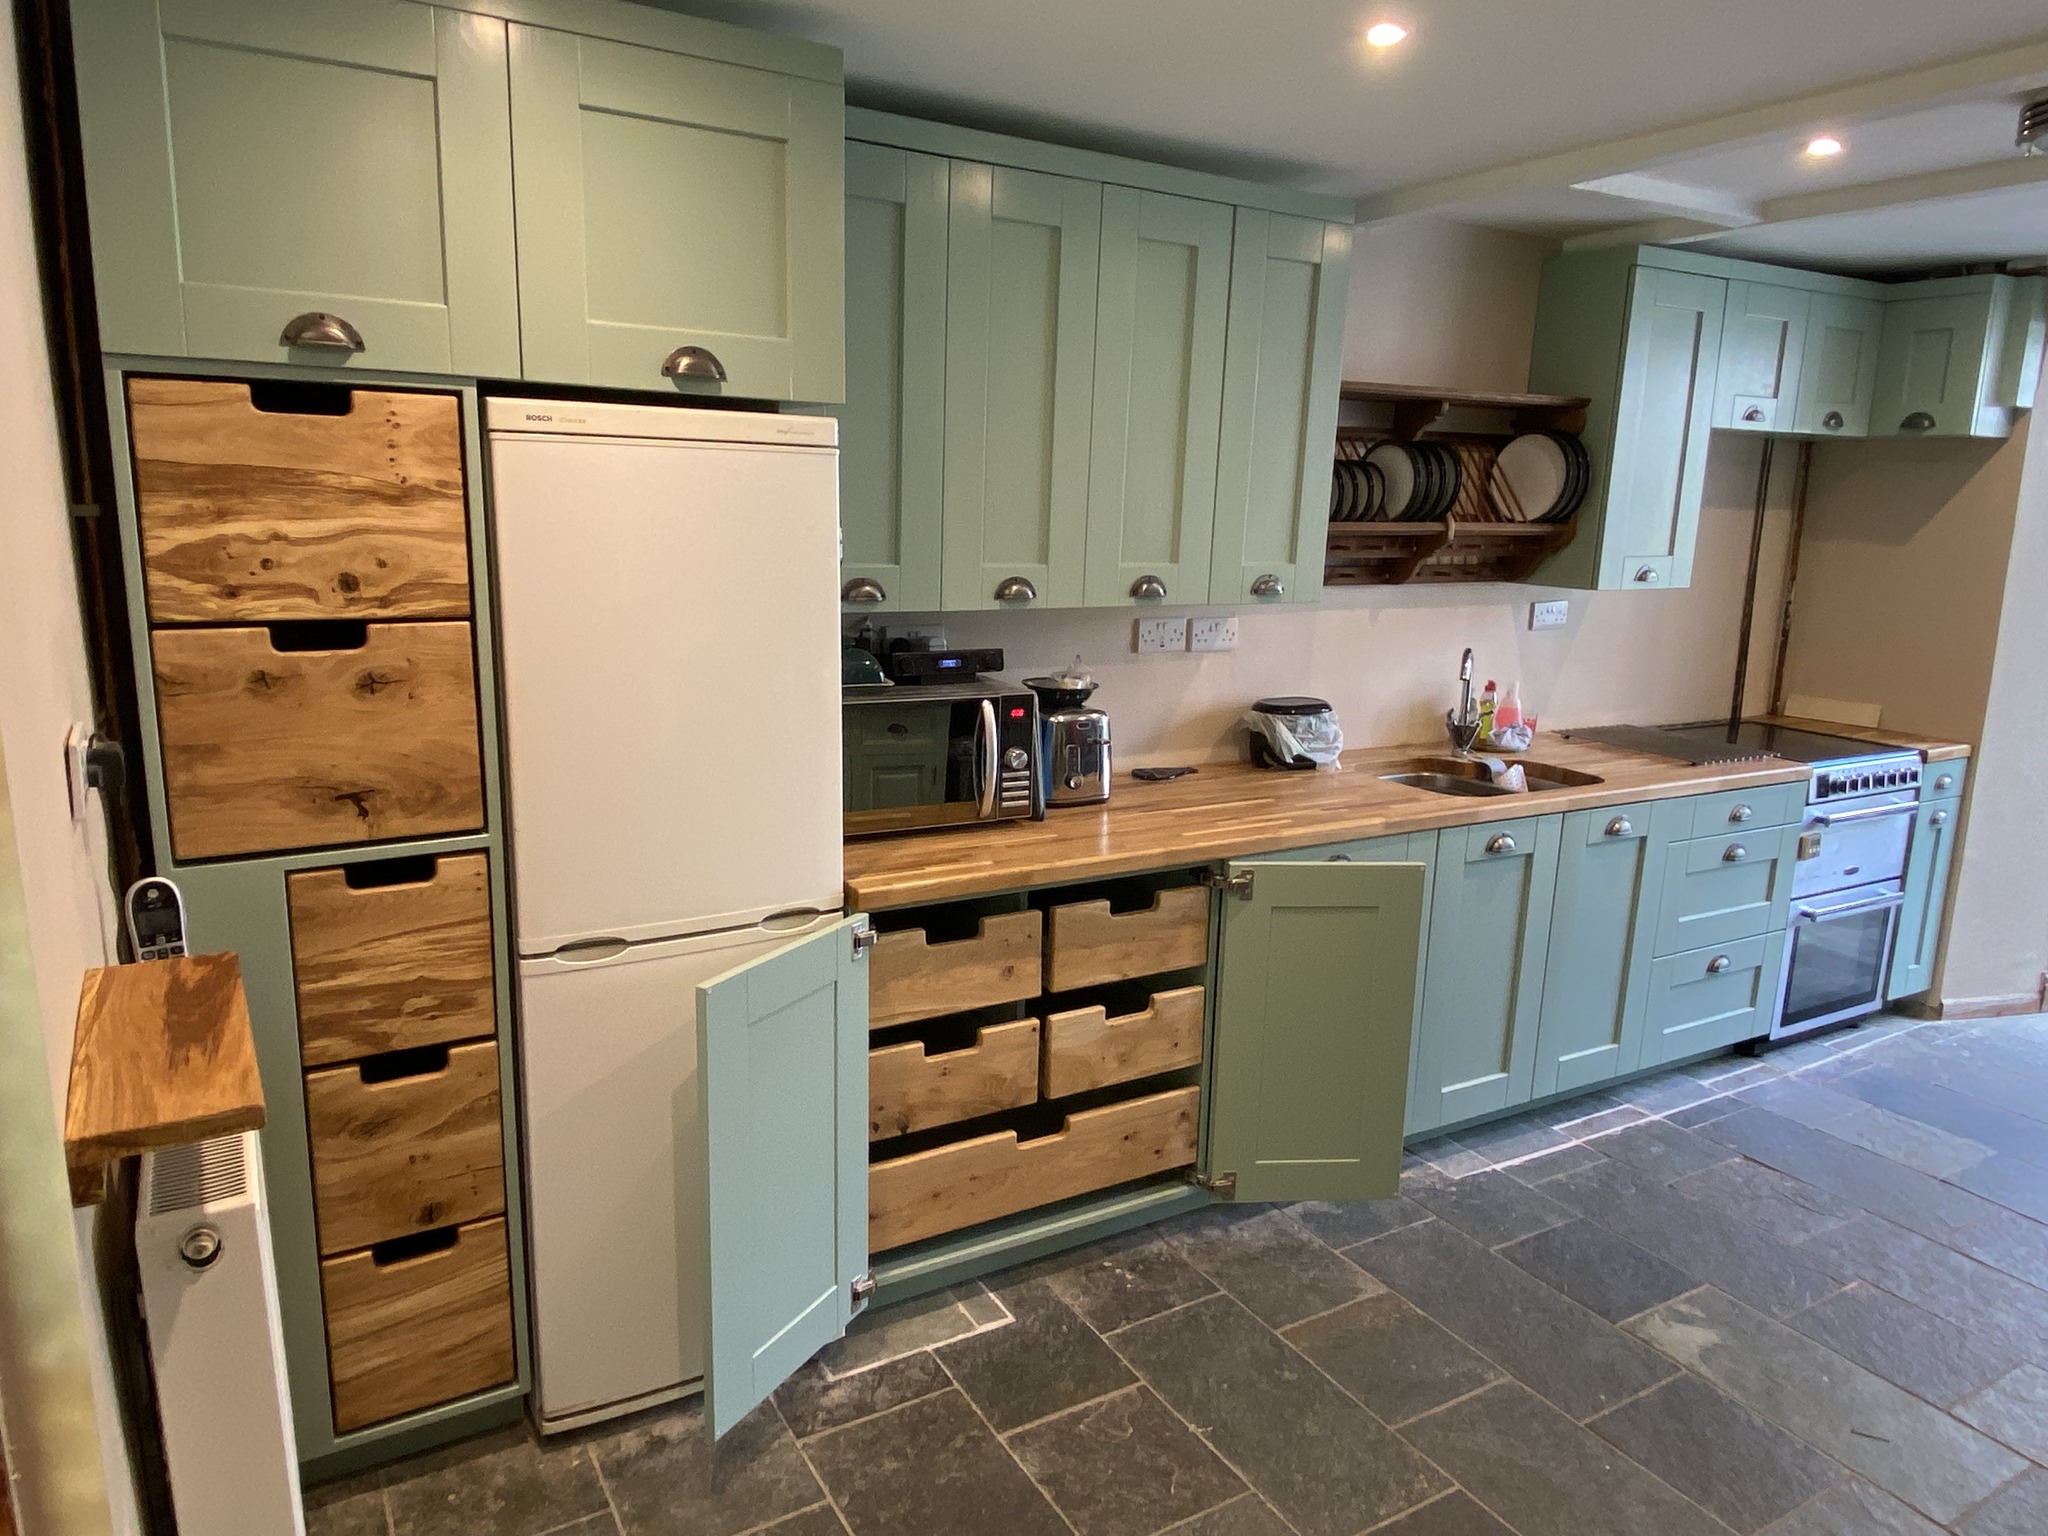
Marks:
<point>1488,701</point>
<point>1509,712</point>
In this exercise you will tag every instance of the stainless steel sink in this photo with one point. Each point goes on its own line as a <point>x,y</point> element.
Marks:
<point>1461,776</point>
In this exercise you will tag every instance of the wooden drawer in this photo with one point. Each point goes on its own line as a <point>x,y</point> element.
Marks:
<point>386,967</point>
<point>946,1188</point>
<point>421,1327</point>
<point>1720,889</point>
<point>910,978</point>
<point>406,1155</point>
<point>266,750</point>
<point>1086,1048</point>
<point>1092,945</point>
<point>1747,810</point>
<point>911,1091</point>
<point>1708,999</point>
<point>252,515</point>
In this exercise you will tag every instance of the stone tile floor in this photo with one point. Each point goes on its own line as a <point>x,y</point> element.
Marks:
<point>1805,1295</point>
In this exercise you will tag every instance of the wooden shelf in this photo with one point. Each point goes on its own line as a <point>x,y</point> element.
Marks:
<point>1417,407</point>
<point>1387,554</point>
<point>163,1055</point>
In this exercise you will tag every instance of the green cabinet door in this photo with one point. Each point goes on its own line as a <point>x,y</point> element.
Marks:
<point>1918,944</point>
<point>1162,301</point>
<point>1315,992</point>
<point>892,426</point>
<point>1930,366</point>
<point>782,1081</point>
<point>1283,362</point>
<point>1763,338</point>
<point>1021,261</point>
<point>249,163</point>
<point>667,202</point>
<point>1482,991</point>
<point>1838,376</point>
<point>1596,975</point>
<point>1705,1000</point>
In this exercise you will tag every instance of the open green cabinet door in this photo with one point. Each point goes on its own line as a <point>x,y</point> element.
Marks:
<point>1315,999</point>
<point>782,1051</point>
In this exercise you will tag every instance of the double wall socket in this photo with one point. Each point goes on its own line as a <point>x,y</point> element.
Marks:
<point>1162,635</point>
<point>1213,635</point>
<point>1551,615</point>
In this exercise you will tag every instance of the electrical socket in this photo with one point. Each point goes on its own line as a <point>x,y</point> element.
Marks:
<point>1161,635</point>
<point>930,637</point>
<point>1213,635</point>
<point>1551,615</point>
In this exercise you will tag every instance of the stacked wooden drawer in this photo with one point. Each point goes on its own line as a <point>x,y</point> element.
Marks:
<point>1044,1053</point>
<point>1720,932</point>
<point>305,556</point>
<point>397,1022</point>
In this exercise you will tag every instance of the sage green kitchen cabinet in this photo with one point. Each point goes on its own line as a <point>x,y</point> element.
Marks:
<point>1482,989</point>
<point>1763,336</point>
<point>1705,1000</point>
<point>1315,997</point>
<point>1022,255</point>
<point>679,220</point>
<point>249,164</point>
<point>1639,333</point>
<point>1283,359</point>
<point>1928,860</point>
<point>1596,975</point>
<point>1960,356</point>
<point>892,426</point>
<point>1838,372</point>
<point>1162,303</point>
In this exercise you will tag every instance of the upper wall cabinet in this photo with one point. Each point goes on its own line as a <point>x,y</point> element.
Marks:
<point>1762,338</point>
<point>1838,369</point>
<point>337,176</point>
<point>1961,355</point>
<point>679,220</point>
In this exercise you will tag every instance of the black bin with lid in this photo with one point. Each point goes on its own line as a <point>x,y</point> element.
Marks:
<point>1294,711</point>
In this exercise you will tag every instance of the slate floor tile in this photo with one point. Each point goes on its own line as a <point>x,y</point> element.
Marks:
<point>1455,1514</point>
<point>919,1323</point>
<point>1123,1466</point>
<point>2010,1242</point>
<point>1908,1346</point>
<point>1119,1280</point>
<point>1944,1108</point>
<point>1990,1304</point>
<point>1693,1116</point>
<point>1447,1155</point>
<point>819,1520</point>
<point>1914,1451</point>
<point>1570,1158</point>
<point>2016,1185</point>
<point>1717,1453</point>
<point>2021,1509</point>
<point>1340,1223</point>
<point>1390,1357</point>
<point>1270,1263</point>
<point>1047,1360</point>
<point>1740,1258</point>
<point>1790,1209</point>
<point>1324,1463</point>
<point>1491,1207</point>
<point>1547,1476</point>
<point>1547,1342</point>
<point>354,1506</point>
<point>1503,1141</point>
<point>1661,1149</point>
<point>502,1484</point>
<point>813,1401</point>
<point>1248,1516</point>
<point>2012,1410</point>
<point>666,1477</point>
<point>930,1468</point>
<point>1854,1508</point>
<point>1667,1094</point>
<point>1603,1273</point>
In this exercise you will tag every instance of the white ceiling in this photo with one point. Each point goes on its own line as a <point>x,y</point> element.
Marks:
<point>1284,90</point>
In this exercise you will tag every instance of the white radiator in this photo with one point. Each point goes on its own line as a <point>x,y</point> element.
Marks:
<point>209,1292</point>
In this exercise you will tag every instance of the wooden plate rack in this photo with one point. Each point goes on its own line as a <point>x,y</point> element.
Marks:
<point>1475,542</point>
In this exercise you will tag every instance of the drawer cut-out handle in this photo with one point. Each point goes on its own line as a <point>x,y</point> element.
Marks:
<point>319,635</point>
<point>414,1245</point>
<point>378,874</point>
<point>395,1066</point>
<point>301,397</point>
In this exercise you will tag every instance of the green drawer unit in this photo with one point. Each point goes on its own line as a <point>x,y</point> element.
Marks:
<point>1768,805</point>
<point>1943,781</point>
<point>1718,890</point>
<point>1704,1000</point>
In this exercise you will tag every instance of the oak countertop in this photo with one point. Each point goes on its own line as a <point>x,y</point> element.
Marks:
<point>1233,810</point>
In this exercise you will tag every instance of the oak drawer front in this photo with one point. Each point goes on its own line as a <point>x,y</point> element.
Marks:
<point>1747,810</point>
<point>252,515</point>
<point>1707,999</point>
<point>407,1155</point>
<point>911,978</point>
<point>418,1330</point>
<point>1720,889</point>
<point>386,967</point>
<point>950,1187</point>
<point>1943,781</point>
<point>1086,1048</point>
<point>909,1090</point>
<point>1092,945</point>
<point>266,750</point>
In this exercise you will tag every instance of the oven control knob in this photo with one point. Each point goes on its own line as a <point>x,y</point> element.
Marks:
<point>1016,760</point>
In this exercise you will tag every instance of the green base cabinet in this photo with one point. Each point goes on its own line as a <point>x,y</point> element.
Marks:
<point>1482,989</point>
<point>1709,999</point>
<point>1928,861</point>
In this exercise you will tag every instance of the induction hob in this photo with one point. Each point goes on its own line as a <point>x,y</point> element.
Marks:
<point>1704,742</point>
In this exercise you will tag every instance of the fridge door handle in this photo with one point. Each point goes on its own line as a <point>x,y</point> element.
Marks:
<point>589,951</point>
<point>985,757</point>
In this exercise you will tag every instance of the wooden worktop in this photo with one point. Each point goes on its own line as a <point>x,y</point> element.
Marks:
<point>1233,810</point>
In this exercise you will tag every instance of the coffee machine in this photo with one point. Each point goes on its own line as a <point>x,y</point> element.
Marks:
<point>1073,740</point>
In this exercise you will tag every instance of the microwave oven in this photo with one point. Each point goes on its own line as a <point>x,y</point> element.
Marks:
<point>939,755</point>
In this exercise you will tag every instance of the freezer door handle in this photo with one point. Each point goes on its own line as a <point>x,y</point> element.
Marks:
<point>589,951</point>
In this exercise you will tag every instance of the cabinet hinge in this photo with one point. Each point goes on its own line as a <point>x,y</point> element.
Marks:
<point>1222,1185</point>
<point>863,1287</point>
<point>864,939</point>
<point>1238,885</point>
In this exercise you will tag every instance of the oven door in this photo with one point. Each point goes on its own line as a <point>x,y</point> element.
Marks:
<point>1838,956</point>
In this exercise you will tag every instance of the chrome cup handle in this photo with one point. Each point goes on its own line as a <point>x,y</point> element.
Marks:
<point>316,329</point>
<point>693,363</point>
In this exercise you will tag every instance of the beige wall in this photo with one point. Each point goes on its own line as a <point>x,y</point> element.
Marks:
<point>1437,303</point>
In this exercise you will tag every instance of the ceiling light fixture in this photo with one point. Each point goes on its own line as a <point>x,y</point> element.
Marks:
<point>1823,146</point>
<point>1385,34</point>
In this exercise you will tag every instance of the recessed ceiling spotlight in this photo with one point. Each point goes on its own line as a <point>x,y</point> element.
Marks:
<point>1385,34</point>
<point>1823,146</point>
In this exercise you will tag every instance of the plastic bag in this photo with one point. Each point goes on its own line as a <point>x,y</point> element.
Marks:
<point>1293,737</point>
<point>1510,738</point>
